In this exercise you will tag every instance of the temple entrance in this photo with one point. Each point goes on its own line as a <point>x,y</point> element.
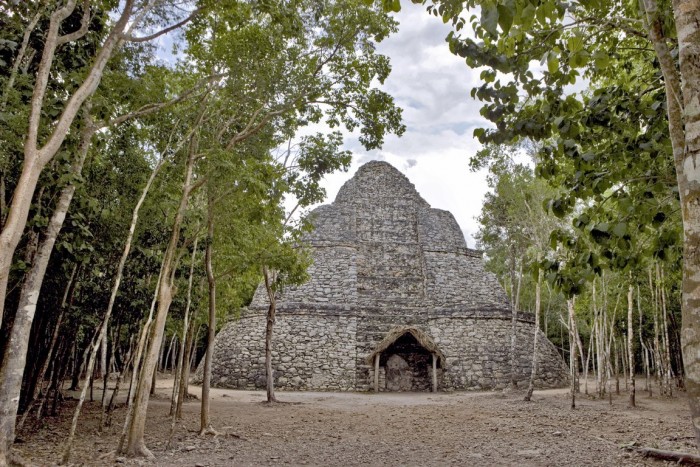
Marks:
<point>407,365</point>
<point>410,360</point>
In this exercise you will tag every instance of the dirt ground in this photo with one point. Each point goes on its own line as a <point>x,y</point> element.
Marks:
<point>311,428</point>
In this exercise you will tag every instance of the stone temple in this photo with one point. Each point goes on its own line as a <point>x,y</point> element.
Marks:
<point>395,301</point>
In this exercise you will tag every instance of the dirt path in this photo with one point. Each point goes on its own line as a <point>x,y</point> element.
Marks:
<point>485,428</point>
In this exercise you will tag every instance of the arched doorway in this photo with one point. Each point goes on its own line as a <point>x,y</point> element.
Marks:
<point>410,359</point>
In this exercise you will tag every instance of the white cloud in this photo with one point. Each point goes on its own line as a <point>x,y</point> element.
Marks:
<point>432,86</point>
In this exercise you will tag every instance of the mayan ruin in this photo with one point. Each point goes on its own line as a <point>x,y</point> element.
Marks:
<point>395,302</point>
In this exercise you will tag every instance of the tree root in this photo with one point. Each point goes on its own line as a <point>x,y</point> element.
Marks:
<point>679,457</point>
<point>209,431</point>
<point>140,451</point>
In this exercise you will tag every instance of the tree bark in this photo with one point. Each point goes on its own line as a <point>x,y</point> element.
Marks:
<point>107,415</point>
<point>54,338</point>
<point>667,343</point>
<point>513,335</point>
<point>137,369</point>
<point>205,422</point>
<point>181,361</point>
<point>185,375</point>
<point>533,372</point>
<point>269,374</point>
<point>630,344</point>
<point>573,362</point>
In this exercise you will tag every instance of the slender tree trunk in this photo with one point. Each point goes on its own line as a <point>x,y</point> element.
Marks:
<point>269,374</point>
<point>185,375</point>
<point>94,348</point>
<point>617,368</point>
<point>513,335</point>
<point>573,362</point>
<point>533,372</point>
<point>630,343</point>
<point>135,443</point>
<point>104,354</point>
<point>667,343</point>
<point>169,356</point>
<point>11,82</point>
<point>175,399</point>
<point>205,426</point>
<point>137,370</point>
<point>107,419</point>
<point>586,365</point>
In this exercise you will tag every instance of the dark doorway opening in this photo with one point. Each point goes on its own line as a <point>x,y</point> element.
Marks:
<point>408,365</point>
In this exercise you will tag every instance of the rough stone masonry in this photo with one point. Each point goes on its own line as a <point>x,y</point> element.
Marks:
<point>384,260</point>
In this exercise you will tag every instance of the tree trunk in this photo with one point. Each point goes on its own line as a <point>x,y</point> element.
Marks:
<point>169,356</point>
<point>137,368</point>
<point>205,422</point>
<point>513,334</point>
<point>107,419</point>
<point>94,346</point>
<point>39,389</point>
<point>573,361</point>
<point>185,375</point>
<point>667,343</point>
<point>533,372</point>
<point>269,374</point>
<point>630,343</point>
<point>181,361</point>
<point>135,443</point>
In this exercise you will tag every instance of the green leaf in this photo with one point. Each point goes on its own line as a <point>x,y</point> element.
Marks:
<point>574,44</point>
<point>391,5</point>
<point>552,63</point>
<point>579,59</point>
<point>505,17</point>
<point>489,17</point>
<point>620,229</point>
<point>601,59</point>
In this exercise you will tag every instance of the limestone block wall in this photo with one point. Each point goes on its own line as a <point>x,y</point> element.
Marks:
<point>326,349</point>
<point>480,357</point>
<point>309,353</point>
<point>378,181</point>
<point>459,279</point>
<point>438,231</point>
<point>332,279</point>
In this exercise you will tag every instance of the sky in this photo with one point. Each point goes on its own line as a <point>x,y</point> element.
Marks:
<point>432,87</point>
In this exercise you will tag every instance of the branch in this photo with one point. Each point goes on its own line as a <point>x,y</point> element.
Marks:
<point>90,83</point>
<point>131,38</point>
<point>84,23</point>
<point>154,107</point>
<point>42,75</point>
<point>678,457</point>
<point>20,56</point>
<point>252,128</point>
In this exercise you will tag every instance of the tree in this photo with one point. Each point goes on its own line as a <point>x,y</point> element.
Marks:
<point>44,139</point>
<point>590,37</point>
